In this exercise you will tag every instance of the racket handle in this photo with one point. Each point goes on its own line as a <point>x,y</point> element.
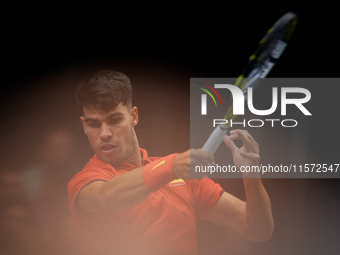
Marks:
<point>215,139</point>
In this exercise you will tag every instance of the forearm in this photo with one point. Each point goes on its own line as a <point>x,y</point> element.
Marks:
<point>128,189</point>
<point>123,191</point>
<point>258,212</point>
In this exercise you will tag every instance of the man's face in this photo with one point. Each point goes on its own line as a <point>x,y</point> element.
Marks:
<point>111,134</point>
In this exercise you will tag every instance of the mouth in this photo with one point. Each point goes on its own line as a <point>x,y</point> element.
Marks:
<point>106,148</point>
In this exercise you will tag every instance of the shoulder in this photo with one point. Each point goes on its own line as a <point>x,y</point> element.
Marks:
<point>203,183</point>
<point>94,170</point>
<point>205,189</point>
<point>95,167</point>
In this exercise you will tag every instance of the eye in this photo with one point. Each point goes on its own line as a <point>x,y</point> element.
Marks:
<point>94,124</point>
<point>114,121</point>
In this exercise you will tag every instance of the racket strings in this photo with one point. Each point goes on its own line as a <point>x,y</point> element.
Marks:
<point>266,53</point>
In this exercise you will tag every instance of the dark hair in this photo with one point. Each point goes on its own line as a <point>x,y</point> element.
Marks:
<point>104,90</point>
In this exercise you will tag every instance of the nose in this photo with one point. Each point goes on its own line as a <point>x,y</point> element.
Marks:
<point>105,132</point>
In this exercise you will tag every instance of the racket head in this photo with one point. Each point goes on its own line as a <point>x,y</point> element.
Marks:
<point>268,51</point>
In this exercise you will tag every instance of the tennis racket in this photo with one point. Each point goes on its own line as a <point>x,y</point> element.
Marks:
<point>260,63</point>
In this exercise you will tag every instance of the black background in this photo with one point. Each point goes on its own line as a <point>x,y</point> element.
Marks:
<point>211,41</point>
<point>201,40</point>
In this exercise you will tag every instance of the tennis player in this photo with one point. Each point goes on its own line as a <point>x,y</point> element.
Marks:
<point>126,202</point>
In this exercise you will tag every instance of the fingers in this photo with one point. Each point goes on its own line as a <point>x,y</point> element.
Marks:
<point>230,144</point>
<point>201,156</point>
<point>247,139</point>
<point>186,161</point>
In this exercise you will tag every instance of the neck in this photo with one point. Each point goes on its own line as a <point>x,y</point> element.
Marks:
<point>135,157</point>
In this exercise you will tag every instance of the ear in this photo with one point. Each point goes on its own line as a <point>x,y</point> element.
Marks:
<point>82,120</point>
<point>134,116</point>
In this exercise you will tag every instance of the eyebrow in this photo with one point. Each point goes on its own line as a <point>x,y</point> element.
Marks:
<point>109,117</point>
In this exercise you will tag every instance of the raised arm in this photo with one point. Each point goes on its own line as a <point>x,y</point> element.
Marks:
<point>251,218</point>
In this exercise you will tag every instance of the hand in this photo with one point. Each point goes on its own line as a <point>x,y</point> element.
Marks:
<point>193,157</point>
<point>248,154</point>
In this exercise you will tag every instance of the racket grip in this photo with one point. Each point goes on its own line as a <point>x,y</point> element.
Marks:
<point>215,139</point>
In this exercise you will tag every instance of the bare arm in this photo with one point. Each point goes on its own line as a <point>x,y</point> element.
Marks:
<point>121,192</point>
<point>253,218</point>
<point>128,189</point>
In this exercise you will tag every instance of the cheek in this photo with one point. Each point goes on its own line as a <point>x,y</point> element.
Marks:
<point>92,136</point>
<point>123,130</point>
<point>124,135</point>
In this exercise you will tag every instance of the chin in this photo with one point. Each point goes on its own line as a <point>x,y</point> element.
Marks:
<point>109,160</point>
